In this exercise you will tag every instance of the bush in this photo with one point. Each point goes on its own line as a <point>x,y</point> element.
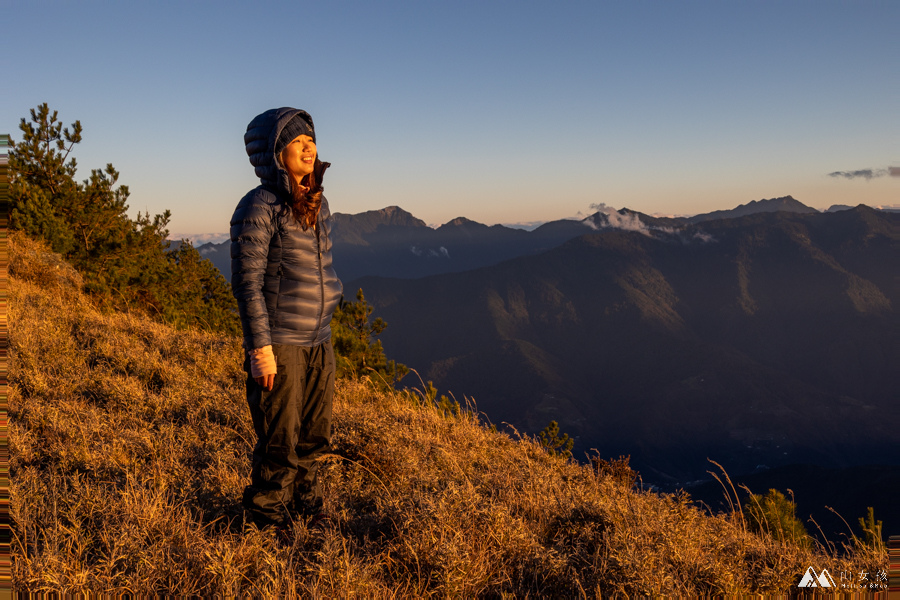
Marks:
<point>774,515</point>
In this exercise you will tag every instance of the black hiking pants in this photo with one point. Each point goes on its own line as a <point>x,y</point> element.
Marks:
<point>293,428</point>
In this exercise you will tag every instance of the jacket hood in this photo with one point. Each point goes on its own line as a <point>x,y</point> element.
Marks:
<point>262,134</point>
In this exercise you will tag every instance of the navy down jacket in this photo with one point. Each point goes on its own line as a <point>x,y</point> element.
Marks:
<point>281,275</point>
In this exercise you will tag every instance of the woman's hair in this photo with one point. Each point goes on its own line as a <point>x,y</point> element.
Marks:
<point>306,198</point>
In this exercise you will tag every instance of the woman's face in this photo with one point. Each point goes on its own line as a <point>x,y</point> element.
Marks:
<point>299,156</point>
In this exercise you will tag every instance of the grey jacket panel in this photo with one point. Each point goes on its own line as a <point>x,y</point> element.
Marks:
<point>281,275</point>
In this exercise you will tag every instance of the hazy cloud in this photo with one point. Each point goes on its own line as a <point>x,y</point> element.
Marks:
<point>198,239</point>
<point>616,220</point>
<point>867,174</point>
<point>526,225</point>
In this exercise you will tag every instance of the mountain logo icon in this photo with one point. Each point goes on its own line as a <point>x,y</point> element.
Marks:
<point>810,579</point>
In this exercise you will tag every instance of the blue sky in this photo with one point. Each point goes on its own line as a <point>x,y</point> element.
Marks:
<point>497,111</point>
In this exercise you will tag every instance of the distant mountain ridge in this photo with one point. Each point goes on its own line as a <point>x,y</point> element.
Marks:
<point>783,204</point>
<point>355,227</point>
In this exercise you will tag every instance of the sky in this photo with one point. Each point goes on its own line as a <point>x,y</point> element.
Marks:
<point>502,112</point>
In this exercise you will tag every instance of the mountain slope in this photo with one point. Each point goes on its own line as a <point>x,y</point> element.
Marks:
<point>772,342</point>
<point>129,448</point>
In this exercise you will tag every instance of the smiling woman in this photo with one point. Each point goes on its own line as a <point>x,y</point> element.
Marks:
<point>287,291</point>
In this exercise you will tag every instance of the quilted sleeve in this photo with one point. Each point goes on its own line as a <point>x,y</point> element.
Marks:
<point>252,228</point>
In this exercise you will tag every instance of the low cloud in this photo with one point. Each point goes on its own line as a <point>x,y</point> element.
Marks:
<point>628,221</point>
<point>441,252</point>
<point>866,174</point>
<point>704,237</point>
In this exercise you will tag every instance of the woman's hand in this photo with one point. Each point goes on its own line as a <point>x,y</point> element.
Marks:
<point>266,381</point>
<point>262,367</point>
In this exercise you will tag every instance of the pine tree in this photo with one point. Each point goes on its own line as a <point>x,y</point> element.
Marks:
<point>124,262</point>
<point>196,293</point>
<point>357,354</point>
<point>871,528</point>
<point>553,443</point>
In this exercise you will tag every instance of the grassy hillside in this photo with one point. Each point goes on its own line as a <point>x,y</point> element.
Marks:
<point>130,447</point>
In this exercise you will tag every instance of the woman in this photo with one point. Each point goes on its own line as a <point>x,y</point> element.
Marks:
<point>286,290</point>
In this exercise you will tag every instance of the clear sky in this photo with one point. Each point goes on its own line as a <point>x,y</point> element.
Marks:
<point>497,111</point>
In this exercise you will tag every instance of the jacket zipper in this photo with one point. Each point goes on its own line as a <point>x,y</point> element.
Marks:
<point>321,281</point>
<point>280,275</point>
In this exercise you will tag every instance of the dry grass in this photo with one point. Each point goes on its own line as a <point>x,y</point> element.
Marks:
<point>130,447</point>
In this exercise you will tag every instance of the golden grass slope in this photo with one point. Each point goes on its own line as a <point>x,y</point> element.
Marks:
<point>130,447</point>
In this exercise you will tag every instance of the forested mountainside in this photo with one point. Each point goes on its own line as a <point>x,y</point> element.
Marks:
<point>769,339</point>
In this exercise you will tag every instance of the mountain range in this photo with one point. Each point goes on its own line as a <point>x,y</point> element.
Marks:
<point>393,243</point>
